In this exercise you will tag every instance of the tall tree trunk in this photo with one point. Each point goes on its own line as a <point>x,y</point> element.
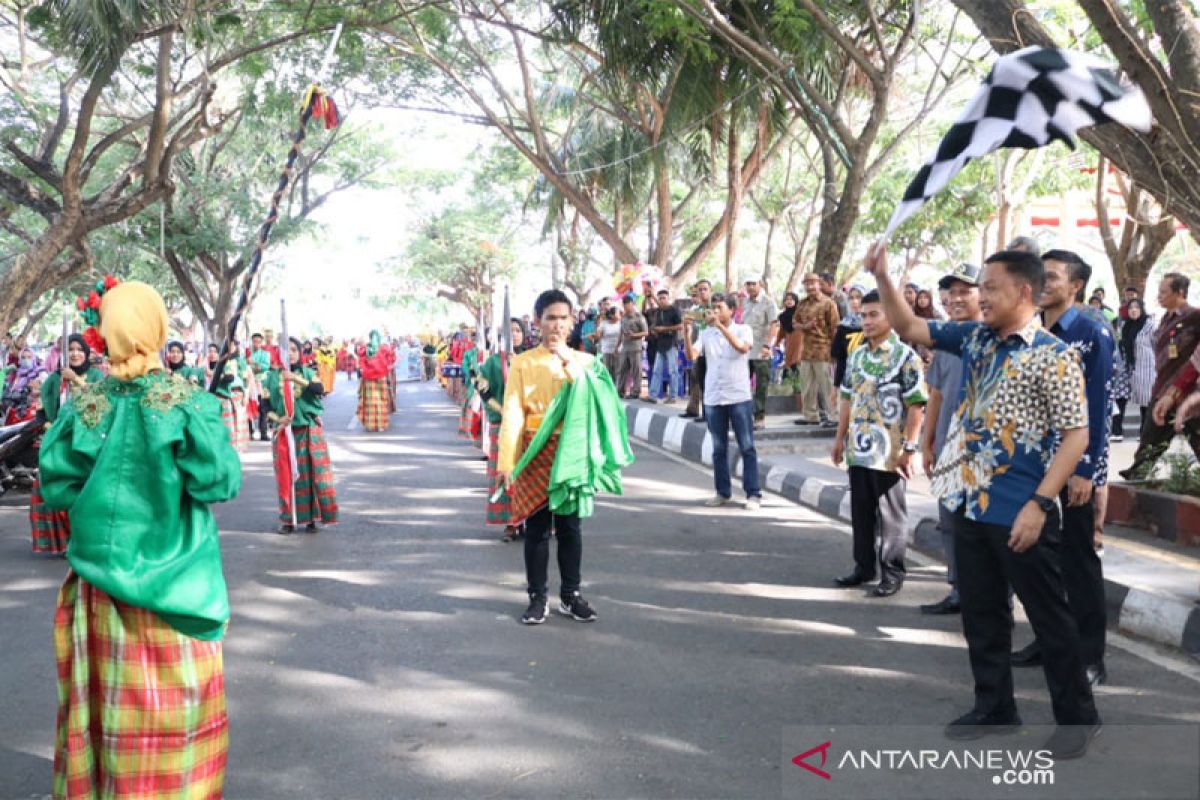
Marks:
<point>734,204</point>
<point>766,273</point>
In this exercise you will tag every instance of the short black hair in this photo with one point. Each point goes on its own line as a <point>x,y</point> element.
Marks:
<point>1178,282</point>
<point>548,298</point>
<point>1077,269</point>
<point>661,292</point>
<point>871,297</point>
<point>1024,266</point>
<point>722,298</point>
<point>826,276</point>
<point>703,282</point>
<point>255,336</point>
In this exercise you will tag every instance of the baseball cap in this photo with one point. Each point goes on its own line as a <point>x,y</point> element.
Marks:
<point>967,273</point>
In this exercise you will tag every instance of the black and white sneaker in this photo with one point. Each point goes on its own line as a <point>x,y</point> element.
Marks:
<point>575,607</point>
<point>536,613</point>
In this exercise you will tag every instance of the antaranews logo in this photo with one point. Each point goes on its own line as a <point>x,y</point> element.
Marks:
<point>1017,767</point>
<point>802,760</point>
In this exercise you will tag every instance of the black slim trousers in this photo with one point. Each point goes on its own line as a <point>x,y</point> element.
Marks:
<point>568,529</point>
<point>986,568</point>
<point>878,508</point>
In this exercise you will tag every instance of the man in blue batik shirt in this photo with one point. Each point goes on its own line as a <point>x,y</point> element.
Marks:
<point>1020,431</point>
<point>1063,314</point>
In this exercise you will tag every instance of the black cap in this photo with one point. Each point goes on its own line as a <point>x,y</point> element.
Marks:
<point>964,272</point>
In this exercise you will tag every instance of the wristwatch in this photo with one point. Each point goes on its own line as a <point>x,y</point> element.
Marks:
<point>1046,504</point>
<point>910,447</point>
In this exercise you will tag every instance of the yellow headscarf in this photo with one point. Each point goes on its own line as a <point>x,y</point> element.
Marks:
<point>133,322</point>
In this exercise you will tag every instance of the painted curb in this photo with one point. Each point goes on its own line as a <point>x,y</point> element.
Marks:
<point>1159,618</point>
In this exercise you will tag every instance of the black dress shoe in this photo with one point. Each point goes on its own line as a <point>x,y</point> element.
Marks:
<point>1028,656</point>
<point>286,529</point>
<point>974,725</point>
<point>1096,674</point>
<point>855,578</point>
<point>884,589</point>
<point>1071,741</point>
<point>947,605</point>
<point>688,415</point>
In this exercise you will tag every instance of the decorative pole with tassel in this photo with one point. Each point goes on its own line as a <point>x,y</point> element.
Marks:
<point>316,104</point>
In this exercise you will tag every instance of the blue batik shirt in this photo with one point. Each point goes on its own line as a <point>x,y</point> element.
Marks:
<point>1093,342</point>
<point>1017,394</point>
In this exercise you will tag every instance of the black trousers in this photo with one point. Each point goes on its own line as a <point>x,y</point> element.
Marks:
<point>986,568</point>
<point>878,508</point>
<point>1156,440</point>
<point>568,529</point>
<point>264,408</point>
<point>1083,578</point>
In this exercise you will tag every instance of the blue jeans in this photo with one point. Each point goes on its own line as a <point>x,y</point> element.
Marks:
<point>741,416</point>
<point>671,367</point>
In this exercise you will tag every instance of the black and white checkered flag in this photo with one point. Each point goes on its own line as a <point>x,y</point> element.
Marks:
<point>1031,98</point>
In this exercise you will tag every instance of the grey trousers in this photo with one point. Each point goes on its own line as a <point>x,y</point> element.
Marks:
<point>629,372</point>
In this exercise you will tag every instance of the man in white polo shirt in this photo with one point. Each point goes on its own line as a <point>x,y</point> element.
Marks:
<point>726,345</point>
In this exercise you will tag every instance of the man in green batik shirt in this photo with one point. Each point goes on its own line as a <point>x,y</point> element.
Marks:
<point>882,404</point>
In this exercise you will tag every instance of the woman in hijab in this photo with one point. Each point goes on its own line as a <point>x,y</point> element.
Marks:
<point>792,339</point>
<point>29,366</point>
<point>232,393</point>
<point>848,334</point>
<point>309,493</point>
<point>373,388</point>
<point>1137,345</point>
<point>137,459</point>
<point>490,385</point>
<point>51,530</point>
<point>177,364</point>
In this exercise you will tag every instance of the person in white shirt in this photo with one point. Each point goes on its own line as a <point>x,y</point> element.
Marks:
<point>728,401</point>
<point>608,331</point>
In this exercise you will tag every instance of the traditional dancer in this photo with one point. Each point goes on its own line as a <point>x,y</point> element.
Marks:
<point>137,459</point>
<point>372,389</point>
<point>307,492</point>
<point>231,392</point>
<point>52,529</point>
<point>490,384</point>
<point>177,363</point>
<point>470,416</point>
<point>561,409</point>
<point>327,365</point>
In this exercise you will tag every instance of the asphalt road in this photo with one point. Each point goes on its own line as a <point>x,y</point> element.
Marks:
<point>383,658</point>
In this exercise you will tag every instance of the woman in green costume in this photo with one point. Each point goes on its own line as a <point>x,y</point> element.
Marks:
<point>52,529</point>
<point>305,484</point>
<point>137,459</point>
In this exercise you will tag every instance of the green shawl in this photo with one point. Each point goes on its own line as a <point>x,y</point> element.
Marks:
<point>593,445</point>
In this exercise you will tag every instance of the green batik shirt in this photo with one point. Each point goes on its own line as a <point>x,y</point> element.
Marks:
<point>137,463</point>
<point>881,383</point>
<point>308,405</point>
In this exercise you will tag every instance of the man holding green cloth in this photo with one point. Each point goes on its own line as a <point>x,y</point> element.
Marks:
<point>563,437</point>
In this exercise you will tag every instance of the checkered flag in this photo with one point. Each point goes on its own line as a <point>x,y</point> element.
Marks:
<point>1030,98</point>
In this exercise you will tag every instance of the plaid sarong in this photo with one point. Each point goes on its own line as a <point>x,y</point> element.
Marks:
<point>141,707</point>
<point>373,404</point>
<point>233,413</point>
<point>315,494</point>
<point>499,512</point>
<point>470,423</point>
<point>530,491</point>
<point>51,529</point>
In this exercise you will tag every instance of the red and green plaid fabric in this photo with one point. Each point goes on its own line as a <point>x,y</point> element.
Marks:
<point>51,529</point>
<point>499,512</point>
<point>233,413</point>
<point>529,492</point>
<point>470,424</point>
<point>141,707</point>
<point>316,497</point>
<point>373,404</point>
